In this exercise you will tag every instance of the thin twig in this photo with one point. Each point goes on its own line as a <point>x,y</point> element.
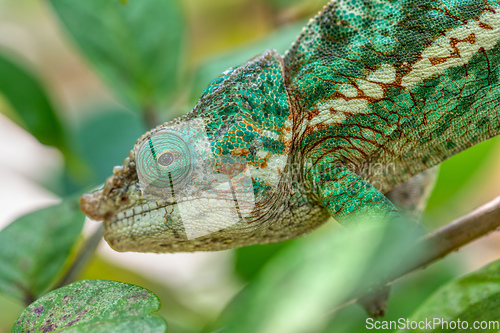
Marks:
<point>456,234</point>
<point>82,258</point>
<point>443,241</point>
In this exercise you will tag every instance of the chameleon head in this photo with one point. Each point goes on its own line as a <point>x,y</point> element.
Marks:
<point>173,194</point>
<point>199,182</point>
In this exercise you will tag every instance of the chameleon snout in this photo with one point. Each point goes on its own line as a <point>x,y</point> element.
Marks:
<point>89,205</point>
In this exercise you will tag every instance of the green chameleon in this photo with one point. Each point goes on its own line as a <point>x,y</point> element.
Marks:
<point>369,96</point>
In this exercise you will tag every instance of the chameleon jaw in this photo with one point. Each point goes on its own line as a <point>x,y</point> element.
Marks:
<point>160,226</point>
<point>141,222</point>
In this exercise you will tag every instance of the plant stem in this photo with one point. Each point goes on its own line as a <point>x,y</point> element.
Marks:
<point>443,241</point>
<point>82,258</point>
<point>456,234</point>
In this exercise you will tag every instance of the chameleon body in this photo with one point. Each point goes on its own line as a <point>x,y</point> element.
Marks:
<point>371,94</point>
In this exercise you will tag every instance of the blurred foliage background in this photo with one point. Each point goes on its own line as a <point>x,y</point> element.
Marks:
<point>80,81</point>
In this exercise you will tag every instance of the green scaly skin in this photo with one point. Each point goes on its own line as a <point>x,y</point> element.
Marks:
<point>371,94</point>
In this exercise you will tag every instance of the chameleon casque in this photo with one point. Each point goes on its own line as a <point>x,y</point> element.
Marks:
<point>276,146</point>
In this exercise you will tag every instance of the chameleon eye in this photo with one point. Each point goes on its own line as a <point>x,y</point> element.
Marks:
<point>164,159</point>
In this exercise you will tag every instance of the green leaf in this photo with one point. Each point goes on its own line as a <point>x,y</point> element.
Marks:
<point>35,247</point>
<point>406,296</point>
<point>179,313</point>
<point>297,289</point>
<point>281,6</point>
<point>456,172</point>
<point>93,306</point>
<point>29,106</point>
<point>473,298</point>
<point>249,260</point>
<point>136,47</point>
<point>105,136</point>
<point>32,109</point>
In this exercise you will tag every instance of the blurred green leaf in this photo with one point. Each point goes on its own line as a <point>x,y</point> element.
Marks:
<point>10,309</point>
<point>34,248</point>
<point>135,47</point>
<point>93,306</point>
<point>406,296</point>
<point>31,106</point>
<point>280,40</point>
<point>475,297</point>
<point>283,5</point>
<point>106,136</point>
<point>457,171</point>
<point>249,260</point>
<point>297,289</point>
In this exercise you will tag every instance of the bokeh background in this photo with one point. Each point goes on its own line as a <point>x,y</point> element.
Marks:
<point>100,119</point>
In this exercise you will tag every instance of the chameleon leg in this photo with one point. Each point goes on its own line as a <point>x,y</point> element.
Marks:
<point>410,198</point>
<point>347,196</point>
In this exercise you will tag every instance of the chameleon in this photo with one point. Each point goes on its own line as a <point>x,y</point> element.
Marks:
<point>371,96</point>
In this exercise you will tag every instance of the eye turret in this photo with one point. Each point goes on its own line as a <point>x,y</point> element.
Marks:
<point>164,160</point>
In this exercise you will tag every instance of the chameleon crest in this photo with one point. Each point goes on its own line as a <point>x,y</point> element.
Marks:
<point>277,145</point>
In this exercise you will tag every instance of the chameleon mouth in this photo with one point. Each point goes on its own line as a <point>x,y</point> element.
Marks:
<point>187,219</point>
<point>146,210</point>
<point>144,219</point>
<point>136,211</point>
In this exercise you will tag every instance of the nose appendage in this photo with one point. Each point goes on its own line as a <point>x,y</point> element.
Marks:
<point>89,205</point>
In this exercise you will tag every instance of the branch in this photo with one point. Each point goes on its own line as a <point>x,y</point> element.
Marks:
<point>456,234</point>
<point>445,240</point>
<point>82,258</point>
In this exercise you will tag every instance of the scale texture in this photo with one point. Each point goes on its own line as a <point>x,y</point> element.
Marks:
<point>371,94</point>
